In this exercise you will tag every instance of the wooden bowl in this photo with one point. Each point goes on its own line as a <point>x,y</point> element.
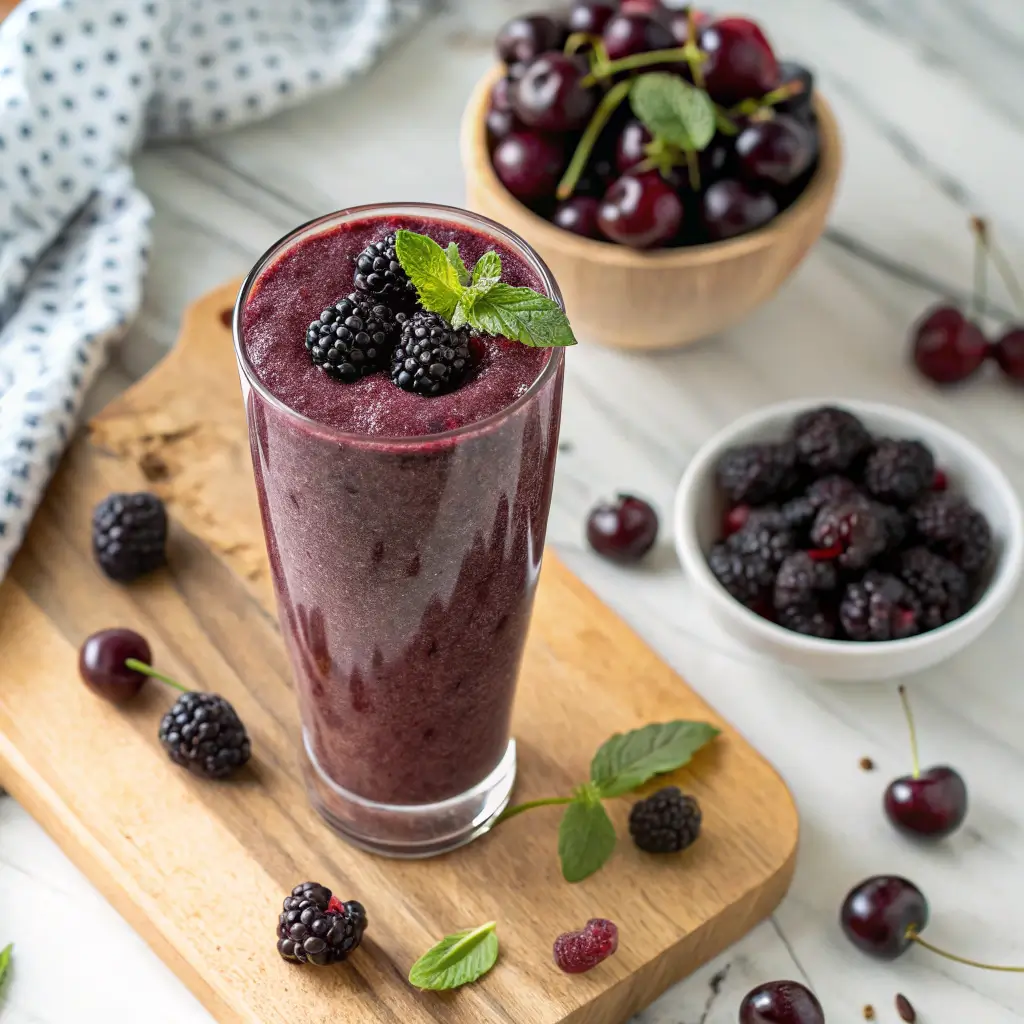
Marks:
<point>624,298</point>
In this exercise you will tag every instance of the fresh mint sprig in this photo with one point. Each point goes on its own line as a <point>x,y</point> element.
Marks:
<point>457,959</point>
<point>445,286</point>
<point>622,764</point>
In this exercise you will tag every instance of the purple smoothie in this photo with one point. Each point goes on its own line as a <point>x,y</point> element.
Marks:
<point>405,533</point>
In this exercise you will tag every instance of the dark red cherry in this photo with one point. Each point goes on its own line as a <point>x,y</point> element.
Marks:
<point>500,124</point>
<point>776,151</point>
<point>590,17</point>
<point>655,7</point>
<point>529,164</point>
<point>101,663</point>
<point>947,347</point>
<point>781,1002</point>
<point>630,149</point>
<point>717,159</point>
<point>882,913</point>
<point>1009,353</point>
<point>731,208</point>
<point>550,97</point>
<point>934,804</point>
<point>578,214</point>
<point>640,210</point>
<point>628,33</point>
<point>623,530</point>
<point>522,39</point>
<point>740,64</point>
<point>679,24</point>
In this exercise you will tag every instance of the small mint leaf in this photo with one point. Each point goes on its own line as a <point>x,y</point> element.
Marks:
<point>464,307</point>
<point>673,110</point>
<point>628,760</point>
<point>457,959</point>
<point>487,271</point>
<point>523,315</point>
<point>586,837</point>
<point>5,959</point>
<point>460,268</point>
<point>427,265</point>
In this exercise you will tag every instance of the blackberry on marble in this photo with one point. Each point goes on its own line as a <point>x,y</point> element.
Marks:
<point>315,927</point>
<point>880,607</point>
<point>953,528</point>
<point>753,474</point>
<point>943,588</point>
<point>432,357</point>
<point>378,273</point>
<point>830,440</point>
<point>899,471</point>
<point>353,338</point>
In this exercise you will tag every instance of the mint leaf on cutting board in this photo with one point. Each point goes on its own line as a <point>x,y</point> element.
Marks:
<point>586,837</point>
<point>457,959</point>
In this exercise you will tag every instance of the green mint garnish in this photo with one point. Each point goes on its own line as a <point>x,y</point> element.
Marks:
<point>673,110</point>
<point>5,959</point>
<point>457,959</point>
<point>622,764</point>
<point>446,287</point>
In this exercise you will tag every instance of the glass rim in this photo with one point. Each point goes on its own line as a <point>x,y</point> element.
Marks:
<point>491,227</point>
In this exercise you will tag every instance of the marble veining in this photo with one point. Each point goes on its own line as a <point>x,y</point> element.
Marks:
<point>928,95</point>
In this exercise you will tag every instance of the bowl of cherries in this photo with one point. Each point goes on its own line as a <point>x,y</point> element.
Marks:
<point>670,169</point>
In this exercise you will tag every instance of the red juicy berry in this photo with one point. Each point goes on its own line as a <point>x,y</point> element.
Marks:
<point>522,39</point>
<point>578,214</point>
<point>623,531</point>
<point>630,32</point>
<point>730,208</point>
<point>590,17</point>
<point>777,151</point>
<point>101,663</point>
<point>947,347</point>
<point>529,164</point>
<point>735,519</point>
<point>740,63</point>
<point>577,952</point>
<point>640,210</point>
<point>631,146</point>
<point>940,481</point>
<point>1009,353</point>
<point>550,96</point>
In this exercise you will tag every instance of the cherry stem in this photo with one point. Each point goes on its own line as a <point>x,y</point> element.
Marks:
<point>694,55</point>
<point>604,111</point>
<point>640,60</point>
<point>147,670</point>
<point>724,123</point>
<point>693,169</point>
<point>769,99</point>
<point>550,801</point>
<point>578,40</point>
<point>911,934</point>
<point>913,732</point>
<point>980,229</point>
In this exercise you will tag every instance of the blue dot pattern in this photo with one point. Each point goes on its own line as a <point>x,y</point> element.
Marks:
<point>83,84</point>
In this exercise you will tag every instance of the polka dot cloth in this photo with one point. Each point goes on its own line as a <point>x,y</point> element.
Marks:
<point>83,83</point>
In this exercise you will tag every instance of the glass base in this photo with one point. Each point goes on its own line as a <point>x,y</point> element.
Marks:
<point>410,830</point>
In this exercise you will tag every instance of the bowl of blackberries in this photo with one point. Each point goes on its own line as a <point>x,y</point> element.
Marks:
<point>854,540</point>
<point>668,165</point>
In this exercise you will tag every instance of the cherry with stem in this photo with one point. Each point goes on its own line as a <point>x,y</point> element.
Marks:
<point>147,670</point>
<point>1008,351</point>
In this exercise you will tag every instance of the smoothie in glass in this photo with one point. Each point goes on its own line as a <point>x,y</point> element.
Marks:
<point>405,536</point>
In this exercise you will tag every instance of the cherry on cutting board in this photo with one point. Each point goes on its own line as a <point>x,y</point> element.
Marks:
<point>930,803</point>
<point>101,663</point>
<point>781,1002</point>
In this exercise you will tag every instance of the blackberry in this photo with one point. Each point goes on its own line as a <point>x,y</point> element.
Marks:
<point>801,579</point>
<point>811,618</point>
<point>799,513</point>
<point>855,527</point>
<point>432,357</point>
<point>895,523</point>
<point>829,440</point>
<point>753,474</point>
<point>898,472</point>
<point>378,273</point>
<point>880,607</point>
<point>315,927</point>
<point>203,733</point>
<point>129,535</point>
<point>746,563</point>
<point>953,528</point>
<point>943,589</point>
<point>353,338</point>
<point>666,822</point>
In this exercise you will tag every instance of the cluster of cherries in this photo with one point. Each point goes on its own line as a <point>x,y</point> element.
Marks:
<point>949,345</point>
<point>563,141</point>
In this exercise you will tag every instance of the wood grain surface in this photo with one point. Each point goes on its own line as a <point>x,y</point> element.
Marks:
<point>200,869</point>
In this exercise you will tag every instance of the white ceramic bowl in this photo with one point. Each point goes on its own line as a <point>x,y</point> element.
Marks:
<point>698,516</point>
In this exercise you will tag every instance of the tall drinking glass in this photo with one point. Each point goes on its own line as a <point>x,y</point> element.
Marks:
<point>404,569</point>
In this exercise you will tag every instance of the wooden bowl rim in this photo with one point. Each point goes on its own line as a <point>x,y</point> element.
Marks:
<point>476,161</point>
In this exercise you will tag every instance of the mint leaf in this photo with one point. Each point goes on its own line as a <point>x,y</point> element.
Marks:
<point>460,268</point>
<point>5,959</point>
<point>627,760</point>
<point>487,272</point>
<point>586,837</point>
<point>457,959</point>
<point>673,110</point>
<point>521,314</point>
<point>435,279</point>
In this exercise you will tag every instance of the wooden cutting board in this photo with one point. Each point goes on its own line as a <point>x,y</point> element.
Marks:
<point>200,868</point>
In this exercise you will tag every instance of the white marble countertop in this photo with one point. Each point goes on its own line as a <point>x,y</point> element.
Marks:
<point>928,94</point>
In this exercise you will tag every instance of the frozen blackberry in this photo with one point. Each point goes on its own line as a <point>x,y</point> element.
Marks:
<point>432,357</point>
<point>753,474</point>
<point>880,607</point>
<point>315,927</point>
<point>953,528</point>
<point>898,472</point>
<point>666,822</point>
<point>829,440</point>
<point>379,273</point>
<point>942,588</point>
<point>129,535</point>
<point>857,530</point>
<point>353,338</point>
<point>203,733</point>
<point>802,579</point>
<point>811,618</point>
